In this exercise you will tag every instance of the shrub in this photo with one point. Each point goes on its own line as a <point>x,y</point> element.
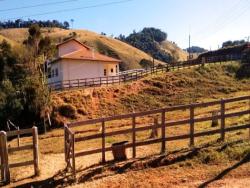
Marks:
<point>232,68</point>
<point>244,71</point>
<point>82,111</point>
<point>67,111</point>
<point>146,63</point>
<point>209,156</point>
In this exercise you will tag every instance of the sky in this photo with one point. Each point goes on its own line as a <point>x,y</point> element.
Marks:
<point>209,22</point>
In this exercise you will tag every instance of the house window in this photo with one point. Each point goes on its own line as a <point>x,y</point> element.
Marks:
<point>112,70</point>
<point>105,72</point>
<point>49,72</point>
<point>53,73</point>
<point>56,70</point>
<point>116,68</point>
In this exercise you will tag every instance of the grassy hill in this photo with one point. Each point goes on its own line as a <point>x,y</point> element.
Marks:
<point>8,40</point>
<point>129,55</point>
<point>173,49</point>
<point>166,89</point>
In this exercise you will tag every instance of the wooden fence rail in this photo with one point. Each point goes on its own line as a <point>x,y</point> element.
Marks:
<point>109,80</point>
<point>5,151</point>
<point>70,139</point>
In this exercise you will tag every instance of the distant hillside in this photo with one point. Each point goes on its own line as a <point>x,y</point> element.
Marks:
<point>172,48</point>
<point>154,42</point>
<point>129,55</point>
<point>196,50</point>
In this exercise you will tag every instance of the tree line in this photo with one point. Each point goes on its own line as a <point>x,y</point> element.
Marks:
<point>148,40</point>
<point>24,97</point>
<point>19,23</point>
<point>233,43</point>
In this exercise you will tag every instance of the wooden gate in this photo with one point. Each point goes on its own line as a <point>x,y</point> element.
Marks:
<point>5,151</point>
<point>69,148</point>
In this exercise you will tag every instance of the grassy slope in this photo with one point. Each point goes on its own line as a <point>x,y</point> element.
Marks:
<point>191,167</point>
<point>172,88</point>
<point>128,54</point>
<point>13,43</point>
<point>177,52</point>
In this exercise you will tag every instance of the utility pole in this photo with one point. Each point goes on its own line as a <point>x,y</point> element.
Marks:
<point>72,23</point>
<point>247,38</point>
<point>189,49</point>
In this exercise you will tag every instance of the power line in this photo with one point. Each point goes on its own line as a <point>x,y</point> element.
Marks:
<point>73,9</point>
<point>221,19</point>
<point>37,5</point>
<point>231,20</point>
<point>219,26</point>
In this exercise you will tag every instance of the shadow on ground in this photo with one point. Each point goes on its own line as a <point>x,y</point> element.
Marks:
<point>246,159</point>
<point>111,168</point>
<point>61,178</point>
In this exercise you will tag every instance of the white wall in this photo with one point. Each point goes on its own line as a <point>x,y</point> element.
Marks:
<point>77,69</point>
<point>111,67</point>
<point>55,67</point>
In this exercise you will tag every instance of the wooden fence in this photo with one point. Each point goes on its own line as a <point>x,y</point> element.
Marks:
<point>5,151</point>
<point>109,80</point>
<point>71,140</point>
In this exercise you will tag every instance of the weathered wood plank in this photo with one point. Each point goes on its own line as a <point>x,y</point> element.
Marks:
<point>192,126</point>
<point>222,120</point>
<point>21,148</point>
<point>26,163</point>
<point>35,150</point>
<point>20,132</point>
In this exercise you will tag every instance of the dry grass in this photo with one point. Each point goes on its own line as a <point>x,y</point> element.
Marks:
<point>166,89</point>
<point>11,42</point>
<point>129,55</point>
<point>180,87</point>
<point>171,48</point>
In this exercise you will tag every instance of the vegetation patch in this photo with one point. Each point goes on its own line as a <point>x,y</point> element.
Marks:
<point>67,111</point>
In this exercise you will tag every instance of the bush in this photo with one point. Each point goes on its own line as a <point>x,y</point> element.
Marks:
<point>244,71</point>
<point>232,68</point>
<point>67,111</point>
<point>82,111</point>
<point>146,63</point>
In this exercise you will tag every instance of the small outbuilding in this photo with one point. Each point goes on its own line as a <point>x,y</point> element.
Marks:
<point>78,61</point>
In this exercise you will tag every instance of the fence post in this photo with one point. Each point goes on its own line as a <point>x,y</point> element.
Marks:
<point>191,125</point>
<point>103,141</point>
<point>134,136</point>
<point>65,143</point>
<point>222,120</point>
<point>73,155</point>
<point>249,118</point>
<point>5,171</point>
<point>18,137</point>
<point>163,131</point>
<point>35,150</point>
<point>2,156</point>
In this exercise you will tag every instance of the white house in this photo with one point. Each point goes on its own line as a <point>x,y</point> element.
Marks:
<point>78,61</point>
